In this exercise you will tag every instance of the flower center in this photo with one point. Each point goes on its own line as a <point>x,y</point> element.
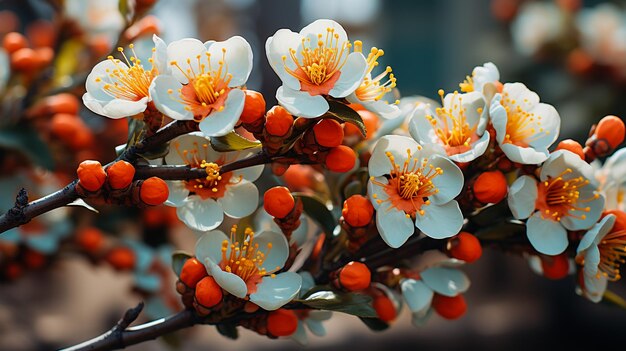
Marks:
<point>558,197</point>
<point>522,127</point>
<point>207,89</point>
<point>129,83</point>
<point>468,84</point>
<point>246,258</point>
<point>318,68</point>
<point>612,254</point>
<point>410,185</point>
<point>214,184</point>
<point>373,89</point>
<point>451,126</point>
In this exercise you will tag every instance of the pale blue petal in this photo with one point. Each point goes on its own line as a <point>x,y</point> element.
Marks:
<point>301,103</point>
<point>210,246</point>
<point>440,221</point>
<point>417,294</point>
<point>273,293</point>
<point>228,281</point>
<point>446,281</point>
<point>546,236</point>
<point>522,197</point>
<point>394,226</point>
<point>277,256</point>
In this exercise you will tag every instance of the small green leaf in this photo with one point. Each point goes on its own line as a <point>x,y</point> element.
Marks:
<point>612,298</point>
<point>374,324</point>
<point>229,330</point>
<point>351,303</point>
<point>232,142</point>
<point>178,260</point>
<point>346,114</point>
<point>25,140</point>
<point>316,209</point>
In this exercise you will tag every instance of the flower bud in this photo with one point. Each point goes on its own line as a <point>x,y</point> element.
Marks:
<point>120,174</point>
<point>328,132</point>
<point>62,103</point>
<point>611,129</point>
<point>14,41</point>
<point>278,202</point>
<point>192,272</point>
<point>355,276</point>
<point>490,187</point>
<point>449,307</point>
<point>282,322</point>
<point>121,258</point>
<point>340,159</point>
<point>91,175</point>
<point>573,146</point>
<point>278,121</point>
<point>208,292</point>
<point>24,60</point>
<point>254,107</point>
<point>90,239</point>
<point>384,307</point>
<point>154,191</point>
<point>465,247</point>
<point>357,211</point>
<point>555,267</point>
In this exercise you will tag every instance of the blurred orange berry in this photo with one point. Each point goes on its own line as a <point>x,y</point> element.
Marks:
<point>278,121</point>
<point>24,60</point>
<point>573,146</point>
<point>328,132</point>
<point>384,307</point>
<point>355,276</point>
<point>278,202</point>
<point>41,33</point>
<point>44,56</point>
<point>357,211</point>
<point>193,271</point>
<point>254,107</point>
<point>208,292</point>
<point>490,187</point>
<point>340,159</point>
<point>91,175</point>
<point>91,239</point>
<point>579,62</point>
<point>466,247</point>
<point>120,174</point>
<point>62,103</point>
<point>34,259</point>
<point>282,322</point>
<point>449,307</point>
<point>154,191</point>
<point>13,42</point>
<point>121,258</point>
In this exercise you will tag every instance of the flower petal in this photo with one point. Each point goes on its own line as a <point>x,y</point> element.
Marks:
<point>478,148</point>
<point>575,221</point>
<point>228,281</point>
<point>177,193</point>
<point>381,108</point>
<point>546,236</point>
<point>168,103</point>
<point>596,233</point>
<point>431,222</point>
<point>182,50</point>
<point>446,281</point>
<point>160,55</point>
<point>189,142</point>
<point>239,199</point>
<point>379,163</point>
<point>321,26</point>
<point>274,292</point>
<point>219,123</point>
<point>449,183</point>
<point>524,155</point>
<point>522,196</point>
<point>200,214</point>
<point>276,256</point>
<point>376,192</point>
<point>417,294</point>
<point>300,103</point>
<point>394,226</point>
<point>351,76</point>
<point>210,246</point>
<point>278,46</point>
<point>237,57</point>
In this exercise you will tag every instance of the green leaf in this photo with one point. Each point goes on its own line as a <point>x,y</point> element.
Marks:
<point>28,142</point>
<point>612,298</point>
<point>346,114</point>
<point>178,260</point>
<point>229,330</point>
<point>232,142</point>
<point>374,324</point>
<point>316,209</point>
<point>351,303</point>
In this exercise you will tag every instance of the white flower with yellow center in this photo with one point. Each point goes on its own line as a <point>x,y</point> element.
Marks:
<point>612,179</point>
<point>245,267</point>
<point>565,198</point>
<point>201,203</point>
<point>481,76</point>
<point>99,19</point>
<point>204,84</point>
<point>371,93</point>
<point>452,128</point>
<point>525,128</point>
<point>314,63</point>
<point>413,186</point>
<point>120,88</point>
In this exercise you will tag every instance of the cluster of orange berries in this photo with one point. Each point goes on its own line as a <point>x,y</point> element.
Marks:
<point>33,53</point>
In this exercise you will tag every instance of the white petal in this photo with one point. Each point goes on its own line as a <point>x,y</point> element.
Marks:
<point>99,76</point>
<point>300,103</point>
<point>472,102</point>
<point>160,55</point>
<point>177,193</point>
<point>595,287</point>
<point>240,199</point>
<point>550,122</point>
<point>592,260</point>
<point>446,281</point>
<point>377,192</point>
<point>273,293</point>
<point>546,236</point>
<point>200,214</point>
<point>168,103</point>
<point>210,246</point>
<point>417,295</point>
<point>237,57</point>
<point>189,142</point>
<point>320,27</point>
<point>183,50</point>
<point>524,155</point>
<point>431,222</point>
<point>393,225</point>
<point>275,257</point>
<point>574,220</point>
<point>300,335</point>
<point>228,281</point>
<point>520,93</point>
<point>522,196</point>
<point>316,327</point>
<point>381,108</point>
<point>596,233</point>
<point>219,123</point>
<point>278,46</point>
<point>420,128</point>
<point>499,117</point>
<point>379,163</point>
<point>478,148</point>
<point>351,76</point>
<point>449,183</point>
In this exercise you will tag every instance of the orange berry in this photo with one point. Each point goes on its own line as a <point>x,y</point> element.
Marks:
<point>120,174</point>
<point>278,202</point>
<point>490,187</point>
<point>64,126</point>
<point>278,121</point>
<point>355,276</point>
<point>14,41</point>
<point>384,307</point>
<point>121,258</point>
<point>371,121</point>
<point>449,307</point>
<point>620,219</point>
<point>193,271</point>
<point>357,211</point>
<point>555,267</point>
<point>91,175</point>
<point>44,56</point>
<point>208,292</point>
<point>611,128</point>
<point>34,259</point>
<point>573,146</point>
<point>465,247</point>
<point>300,176</point>
<point>91,239</point>
<point>328,133</point>
<point>24,59</point>
<point>340,159</point>
<point>154,191</point>
<point>579,62</point>
<point>41,33</point>
<point>254,107</point>
<point>282,322</point>
<point>62,103</point>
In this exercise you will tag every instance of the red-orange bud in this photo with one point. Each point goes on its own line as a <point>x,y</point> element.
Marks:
<point>328,133</point>
<point>490,187</point>
<point>120,174</point>
<point>466,247</point>
<point>449,307</point>
<point>282,322</point>
<point>384,307</point>
<point>278,202</point>
<point>208,292</point>
<point>154,191</point>
<point>254,107</point>
<point>192,272</point>
<point>91,175</point>
<point>355,276</point>
<point>573,146</point>
<point>555,267</point>
<point>121,258</point>
<point>611,128</point>
<point>24,59</point>
<point>357,211</point>
<point>14,41</point>
<point>90,239</point>
<point>340,159</point>
<point>278,121</point>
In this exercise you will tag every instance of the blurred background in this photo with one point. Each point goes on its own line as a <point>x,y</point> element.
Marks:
<point>69,276</point>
